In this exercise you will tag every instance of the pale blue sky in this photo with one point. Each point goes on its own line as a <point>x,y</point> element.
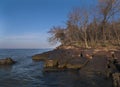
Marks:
<point>25,23</point>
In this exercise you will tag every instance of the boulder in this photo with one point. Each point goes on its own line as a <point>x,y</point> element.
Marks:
<point>6,61</point>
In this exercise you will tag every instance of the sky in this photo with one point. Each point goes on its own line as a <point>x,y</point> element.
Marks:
<point>25,23</point>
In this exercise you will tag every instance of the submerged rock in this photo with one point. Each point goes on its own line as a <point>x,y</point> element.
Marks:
<point>7,61</point>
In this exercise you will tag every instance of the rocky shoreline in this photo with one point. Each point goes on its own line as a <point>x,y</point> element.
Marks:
<point>101,61</point>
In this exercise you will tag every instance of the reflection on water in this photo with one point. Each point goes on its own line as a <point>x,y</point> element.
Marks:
<point>27,73</point>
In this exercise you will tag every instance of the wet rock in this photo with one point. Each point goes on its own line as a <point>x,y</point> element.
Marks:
<point>116,79</point>
<point>6,61</point>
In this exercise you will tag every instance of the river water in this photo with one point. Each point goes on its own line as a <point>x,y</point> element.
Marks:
<point>28,73</point>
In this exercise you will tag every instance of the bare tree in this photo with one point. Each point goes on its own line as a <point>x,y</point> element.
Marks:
<point>107,10</point>
<point>91,29</point>
<point>73,23</point>
<point>77,25</point>
<point>84,26</point>
<point>57,34</point>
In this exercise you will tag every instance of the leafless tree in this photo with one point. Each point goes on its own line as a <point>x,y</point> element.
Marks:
<point>57,34</point>
<point>107,10</point>
<point>101,28</point>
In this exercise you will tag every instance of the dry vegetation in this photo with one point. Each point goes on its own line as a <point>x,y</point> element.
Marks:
<point>84,28</point>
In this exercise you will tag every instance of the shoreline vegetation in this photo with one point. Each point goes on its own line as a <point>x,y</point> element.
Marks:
<point>90,42</point>
<point>98,27</point>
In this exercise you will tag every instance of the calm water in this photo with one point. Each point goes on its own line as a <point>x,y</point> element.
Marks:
<point>28,73</point>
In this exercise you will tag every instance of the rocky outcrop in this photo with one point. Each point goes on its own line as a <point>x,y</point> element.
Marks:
<point>57,65</point>
<point>96,61</point>
<point>65,59</point>
<point>70,57</point>
<point>7,61</point>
